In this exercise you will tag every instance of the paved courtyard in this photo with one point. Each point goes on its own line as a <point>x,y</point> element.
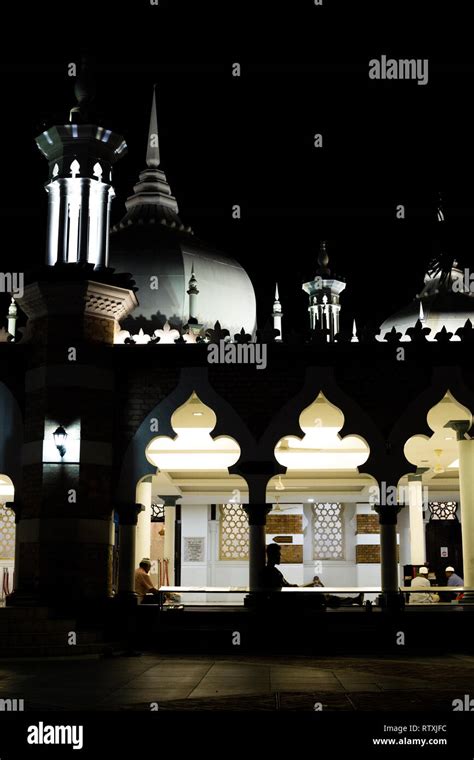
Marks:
<point>239,683</point>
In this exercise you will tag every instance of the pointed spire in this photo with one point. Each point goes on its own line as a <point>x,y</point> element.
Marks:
<point>152,201</point>
<point>421,316</point>
<point>277,315</point>
<point>192,283</point>
<point>354,338</point>
<point>276,303</point>
<point>153,147</point>
<point>440,210</point>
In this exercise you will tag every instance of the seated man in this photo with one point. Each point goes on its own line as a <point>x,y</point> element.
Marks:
<point>421,581</point>
<point>271,578</point>
<point>143,582</point>
<point>453,579</point>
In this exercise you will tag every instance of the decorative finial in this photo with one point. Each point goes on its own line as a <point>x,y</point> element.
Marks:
<point>12,318</point>
<point>153,147</point>
<point>277,304</point>
<point>421,316</point>
<point>84,90</point>
<point>440,210</point>
<point>13,311</point>
<point>192,283</point>
<point>323,259</point>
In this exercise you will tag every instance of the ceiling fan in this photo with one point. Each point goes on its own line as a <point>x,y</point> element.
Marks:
<point>285,507</point>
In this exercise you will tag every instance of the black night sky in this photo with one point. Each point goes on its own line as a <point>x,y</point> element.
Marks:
<point>249,140</point>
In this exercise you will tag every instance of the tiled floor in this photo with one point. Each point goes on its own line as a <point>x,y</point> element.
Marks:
<point>239,683</point>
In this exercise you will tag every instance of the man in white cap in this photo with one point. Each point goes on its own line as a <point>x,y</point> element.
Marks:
<point>453,578</point>
<point>421,581</point>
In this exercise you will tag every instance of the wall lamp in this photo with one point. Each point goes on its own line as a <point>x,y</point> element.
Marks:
<point>60,436</point>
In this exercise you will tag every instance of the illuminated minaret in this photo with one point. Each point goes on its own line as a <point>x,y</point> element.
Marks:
<point>80,156</point>
<point>277,315</point>
<point>12,317</point>
<point>324,292</point>
<point>193,294</point>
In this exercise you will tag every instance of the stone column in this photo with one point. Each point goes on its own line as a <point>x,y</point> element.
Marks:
<point>388,553</point>
<point>257,514</point>
<point>15,506</point>
<point>466,487</point>
<point>83,230</point>
<point>104,251</point>
<point>417,524</point>
<point>169,549</point>
<point>63,223</point>
<point>53,223</point>
<point>466,492</point>
<point>143,542</point>
<point>128,516</point>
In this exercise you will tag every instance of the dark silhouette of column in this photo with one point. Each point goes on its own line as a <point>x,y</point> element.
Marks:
<point>388,551</point>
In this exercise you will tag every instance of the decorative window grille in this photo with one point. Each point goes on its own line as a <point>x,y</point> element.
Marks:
<point>234,533</point>
<point>157,512</point>
<point>443,510</point>
<point>7,533</point>
<point>328,531</point>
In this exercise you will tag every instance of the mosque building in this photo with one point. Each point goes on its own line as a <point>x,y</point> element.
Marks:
<point>119,439</point>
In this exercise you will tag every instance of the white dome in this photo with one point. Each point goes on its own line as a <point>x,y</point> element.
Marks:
<point>153,245</point>
<point>439,305</point>
<point>225,290</point>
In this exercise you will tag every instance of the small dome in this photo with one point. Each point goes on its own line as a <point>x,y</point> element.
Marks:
<point>442,303</point>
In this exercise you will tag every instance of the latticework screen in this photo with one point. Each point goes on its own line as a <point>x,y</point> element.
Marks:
<point>328,531</point>
<point>7,533</point>
<point>443,510</point>
<point>234,533</point>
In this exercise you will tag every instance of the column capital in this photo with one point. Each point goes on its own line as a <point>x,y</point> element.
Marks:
<point>128,513</point>
<point>461,427</point>
<point>387,513</point>
<point>257,513</point>
<point>170,501</point>
<point>16,507</point>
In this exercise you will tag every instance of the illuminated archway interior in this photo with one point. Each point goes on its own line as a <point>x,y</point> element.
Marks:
<point>7,537</point>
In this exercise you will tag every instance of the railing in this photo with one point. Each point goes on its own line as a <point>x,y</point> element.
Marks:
<point>336,590</point>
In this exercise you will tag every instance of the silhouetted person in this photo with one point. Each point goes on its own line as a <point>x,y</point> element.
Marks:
<point>271,578</point>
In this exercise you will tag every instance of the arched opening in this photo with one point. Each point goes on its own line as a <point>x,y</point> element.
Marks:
<point>7,538</point>
<point>323,508</point>
<point>431,524</point>
<point>192,527</point>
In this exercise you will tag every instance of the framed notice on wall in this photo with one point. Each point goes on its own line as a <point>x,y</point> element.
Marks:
<point>194,549</point>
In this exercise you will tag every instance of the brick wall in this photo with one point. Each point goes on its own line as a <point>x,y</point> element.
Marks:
<point>291,553</point>
<point>284,524</point>
<point>367,554</point>
<point>370,553</point>
<point>368,524</point>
